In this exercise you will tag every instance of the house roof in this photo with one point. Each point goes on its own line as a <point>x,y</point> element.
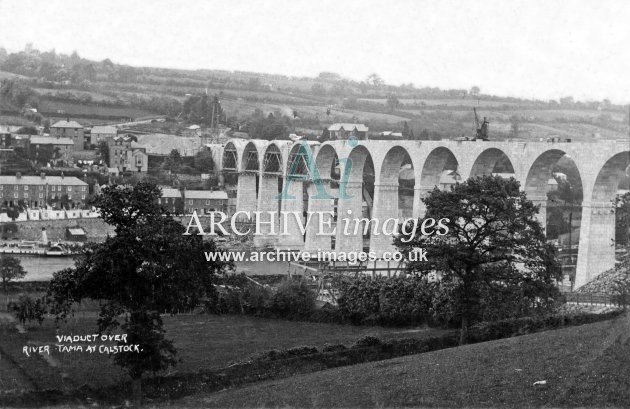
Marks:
<point>170,192</point>
<point>238,134</point>
<point>126,138</point>
<point>205,194</point>
<point>50,140</point>
<point>104,129</point>
<point>67,124</point>
<point>391,133</point>
<point>163,144</point>
<point>348,127</point>
<point>76,231</point>
<point>9,128</point>
<point>38,180</point>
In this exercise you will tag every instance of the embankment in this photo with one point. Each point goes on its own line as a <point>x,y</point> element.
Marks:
<point>95,228</point>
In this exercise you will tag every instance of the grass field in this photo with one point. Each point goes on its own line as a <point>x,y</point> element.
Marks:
<point>86,110</point>
<point>583,366</point>
<point>418,103</point>
<point>202,341</point>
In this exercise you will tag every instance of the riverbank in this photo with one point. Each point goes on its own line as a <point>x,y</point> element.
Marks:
<point>95,229</point>
<point>40,268</point>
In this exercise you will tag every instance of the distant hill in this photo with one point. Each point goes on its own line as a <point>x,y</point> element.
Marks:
<point>102,91</point>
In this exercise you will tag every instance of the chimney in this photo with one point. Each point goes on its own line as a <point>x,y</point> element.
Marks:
<point>43,176</point>
<point>44,236</point>
<point>18,175</point>
<point>61,175</point>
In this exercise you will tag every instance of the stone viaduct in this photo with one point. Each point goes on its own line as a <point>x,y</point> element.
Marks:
<point>263,166</point>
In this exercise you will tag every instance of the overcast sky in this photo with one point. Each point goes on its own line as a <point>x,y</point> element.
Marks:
<point>542,49</point>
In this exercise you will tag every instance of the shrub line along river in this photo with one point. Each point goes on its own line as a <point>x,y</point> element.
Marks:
<point>40,268</point>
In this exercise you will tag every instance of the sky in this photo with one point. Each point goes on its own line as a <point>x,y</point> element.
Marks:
<point>534,49</point>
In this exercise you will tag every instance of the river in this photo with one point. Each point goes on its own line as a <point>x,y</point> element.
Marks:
<point>39,268</point>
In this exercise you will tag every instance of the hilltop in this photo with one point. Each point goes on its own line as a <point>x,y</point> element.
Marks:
<point>96,92</point>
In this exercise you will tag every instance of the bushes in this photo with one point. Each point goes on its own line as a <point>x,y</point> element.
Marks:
<point>28,309</point>
<point>333,347</point>
<point>413,301</point>
<point>359,301</point>
<point>256,298</point>
<point>374,348</point>
<point>274,354</point>
<point>487,331</point>
<point>379,301</point>
<point>385,301</point>
<point>293,299</point>
<point>368,341</point>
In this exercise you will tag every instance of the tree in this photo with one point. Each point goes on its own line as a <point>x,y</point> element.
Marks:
<point>173,161</point>
<point>514,125</point>
<point>10,269</point>
<point>138,275</point>
<point>18,93</point>
<point>622,219</point>
<point>407,132</point>
<point>27,130</point>
<point>474,91</point>
<point>64,201</point>
<point>318,89</point>
<point>179,205</point>
<point>253,84</point>
<point>204,161</point>
<point>268,128</point>
<point>14,212</point>
<point>566,193</point>
<point>494,249</point>
<point>393,102</point>
<point>556,223</point>
<point>28,309</point>
<point>44,154</point>
<point>47,70</point>
<point>103,151</point>
<point>375,80</point>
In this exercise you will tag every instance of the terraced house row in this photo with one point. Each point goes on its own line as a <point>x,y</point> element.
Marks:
<point>39,191</point>
<point>189,201</point>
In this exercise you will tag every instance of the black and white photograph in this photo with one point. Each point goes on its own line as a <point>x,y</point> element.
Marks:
<point>314,204</point>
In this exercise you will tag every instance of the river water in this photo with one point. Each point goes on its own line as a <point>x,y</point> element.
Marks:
<point>40,268</point>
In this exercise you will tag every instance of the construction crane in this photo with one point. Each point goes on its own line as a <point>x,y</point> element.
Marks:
<point>481,130</point>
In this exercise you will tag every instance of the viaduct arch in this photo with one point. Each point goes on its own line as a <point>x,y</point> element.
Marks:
<point>600,165</point>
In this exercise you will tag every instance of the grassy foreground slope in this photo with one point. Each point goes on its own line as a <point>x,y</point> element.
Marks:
<point>583,366</point>
<point>203,342</point>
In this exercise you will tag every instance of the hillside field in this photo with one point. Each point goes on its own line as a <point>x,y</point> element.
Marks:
<point>581,366</point>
